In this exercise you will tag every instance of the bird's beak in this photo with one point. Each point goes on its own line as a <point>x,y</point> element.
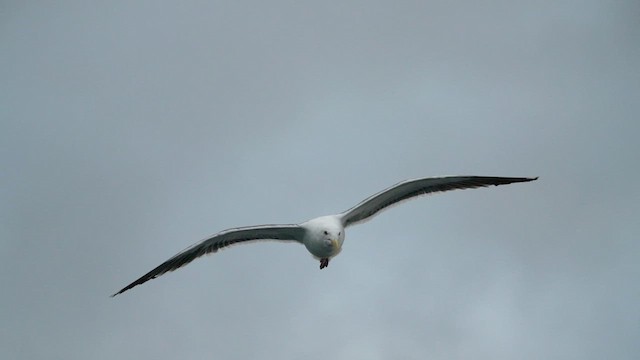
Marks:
<point>335,243</point>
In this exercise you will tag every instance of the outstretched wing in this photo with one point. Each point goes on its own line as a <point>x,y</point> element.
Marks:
<point>218,241</point>
<point>408,189</point>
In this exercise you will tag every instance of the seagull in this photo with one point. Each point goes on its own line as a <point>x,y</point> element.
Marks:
<point>323,236</point>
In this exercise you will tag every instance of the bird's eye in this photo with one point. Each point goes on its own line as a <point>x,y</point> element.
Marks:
<point>326,232</point>
<point>339,233</point>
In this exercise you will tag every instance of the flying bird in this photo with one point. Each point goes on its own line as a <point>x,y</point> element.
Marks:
<point>323,236</point>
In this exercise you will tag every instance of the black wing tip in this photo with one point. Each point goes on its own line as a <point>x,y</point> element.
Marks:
<point>130,286</point>
<point>504,181</point>
<point>527,179</point>
<point>119,292</point>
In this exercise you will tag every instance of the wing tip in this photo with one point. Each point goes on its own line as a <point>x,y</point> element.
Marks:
<point>128,287</point>
<point>516,180</point>
<point>118,293</point>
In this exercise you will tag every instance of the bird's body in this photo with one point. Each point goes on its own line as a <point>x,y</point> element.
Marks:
<point>323,236</point>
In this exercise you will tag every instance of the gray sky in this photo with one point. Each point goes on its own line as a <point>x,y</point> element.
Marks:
<point>130,131</point>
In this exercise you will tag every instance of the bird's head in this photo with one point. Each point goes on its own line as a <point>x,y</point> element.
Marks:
<point>332,239</point>
<point>325,236</point>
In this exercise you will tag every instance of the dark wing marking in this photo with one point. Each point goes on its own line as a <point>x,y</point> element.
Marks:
<point>218,241</point>
<point>408,189</point>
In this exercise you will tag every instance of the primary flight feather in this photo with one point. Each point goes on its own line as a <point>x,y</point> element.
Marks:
<point>323,236</point>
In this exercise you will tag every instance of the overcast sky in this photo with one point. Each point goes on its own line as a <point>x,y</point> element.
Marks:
<point>129,131</point>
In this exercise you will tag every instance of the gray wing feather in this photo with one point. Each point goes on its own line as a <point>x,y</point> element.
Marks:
<point>408,189</point>
<point>218,241</point>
